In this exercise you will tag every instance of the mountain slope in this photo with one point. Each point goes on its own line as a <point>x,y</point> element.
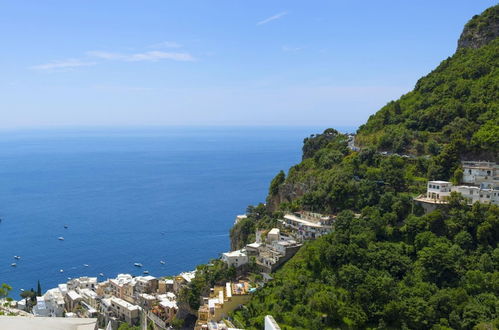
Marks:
<point>394,268</point>
<point>457,100</point>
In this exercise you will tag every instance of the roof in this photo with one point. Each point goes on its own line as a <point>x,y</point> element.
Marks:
<point>237,253</point>
<point>47,323</point>
<point>254,245</point>
<point>73,295</point>
<point>274,231</point>
<point>124,303</point>
<point>168,304</point>
<point>439,181</point>
<point>188,276</point>
<point>304,222</point>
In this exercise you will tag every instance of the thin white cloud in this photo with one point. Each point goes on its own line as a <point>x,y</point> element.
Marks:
<point>151,56</point>
<point>291,49</point>
<point>166,44</point>
<point>62,65</point>
<point>272,18</point>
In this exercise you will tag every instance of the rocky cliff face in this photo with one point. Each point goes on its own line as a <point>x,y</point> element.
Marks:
<point>287,193</point>
<point>480,30</point>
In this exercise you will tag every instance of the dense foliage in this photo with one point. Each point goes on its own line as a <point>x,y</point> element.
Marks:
<point>206,277</point>
<point>436,271</point>
<point>458,101</point>
<point>390,266</point>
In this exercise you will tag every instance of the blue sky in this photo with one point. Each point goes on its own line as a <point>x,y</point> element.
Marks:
<point>136,63</point>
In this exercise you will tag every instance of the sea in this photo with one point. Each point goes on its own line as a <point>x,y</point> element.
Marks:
<point>130,195</point>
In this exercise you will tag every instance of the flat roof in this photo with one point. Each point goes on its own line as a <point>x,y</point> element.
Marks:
<point>274,231</point>
<point>73,295</point>
<point>254,245</point>
<point>237,253</point>
<point>124,303</point>
<point>293,217</point>
<point>439,181</point>
<point>47,323</point>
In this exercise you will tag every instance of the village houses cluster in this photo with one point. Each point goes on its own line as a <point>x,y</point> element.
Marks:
<point>122,299</point>
<point>480,183</point>
<point>277,248</point>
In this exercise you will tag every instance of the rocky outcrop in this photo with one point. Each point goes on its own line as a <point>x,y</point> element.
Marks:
<point>480,30</point>
<point>287,192</point>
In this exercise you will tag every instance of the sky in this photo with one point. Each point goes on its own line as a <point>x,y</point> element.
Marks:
<point>217,62</point>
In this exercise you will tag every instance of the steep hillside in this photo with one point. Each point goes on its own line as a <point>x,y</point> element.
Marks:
<point>393,267</point>
<point>458,101</point>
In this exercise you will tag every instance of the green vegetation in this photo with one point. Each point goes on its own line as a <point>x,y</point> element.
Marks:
<point>393,267</point>
<point>456,103</point>
<point>5,290</point>
<point>207,276</point>
<point>439,270</point>
<point>126,326</point>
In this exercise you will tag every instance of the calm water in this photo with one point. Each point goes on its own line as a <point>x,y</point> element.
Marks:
<point>129,196</point>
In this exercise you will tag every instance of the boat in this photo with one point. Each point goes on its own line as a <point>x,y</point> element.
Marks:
<point>101,274</point>
<point>61,270</point>
<point>69,278</point>
<point>22,290</point>
<point>66,226</point>
<point>137,264</point>
<point>60,238</point>
<point>85,265</point>
<point>13,264</point>
<point>162,262</point>
<point>146,272</point>
<point>17,257</point>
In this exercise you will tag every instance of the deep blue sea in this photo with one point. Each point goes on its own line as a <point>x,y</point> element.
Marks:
<point>129,195</point>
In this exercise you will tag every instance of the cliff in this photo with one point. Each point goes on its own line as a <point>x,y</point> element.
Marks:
<point>480,30</point>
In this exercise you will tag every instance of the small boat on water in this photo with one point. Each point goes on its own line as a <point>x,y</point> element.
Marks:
<point>22,290</point>
<point>146,272</point>
<point>62,270</point>
<point>66,226</point>
<point>162,262</point>
<point>137,264</point>
<point>101,274</point>
<point>69,278</point>
<point>60,238</point>
<point>13,264</point>
<point>17,257</point>
<point>85,265</point>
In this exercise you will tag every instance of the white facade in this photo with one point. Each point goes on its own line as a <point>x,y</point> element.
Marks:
<point>307,225</point>
<point>438,190</point>
<point>270,323</point>
<point>480,172</point>
<point>124,310</point>
<point>235,258</point>
<point>50,304</point>
<point>82,283</point>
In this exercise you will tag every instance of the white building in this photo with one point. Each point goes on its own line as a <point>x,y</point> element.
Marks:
<point>308,225</point>
<point>270,323</point>
<point>274,235</point>
<point>125,311</point>
<point>235,258</point>
<point>83,282</point>
<point>438,190</point>
<point>480,172</point>
<point>50,304</point>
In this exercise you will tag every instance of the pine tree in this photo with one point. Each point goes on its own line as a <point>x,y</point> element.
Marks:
<point>38,289</point>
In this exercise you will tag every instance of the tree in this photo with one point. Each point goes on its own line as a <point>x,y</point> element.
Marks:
<point>5,290</point>
<point>38,289</point>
